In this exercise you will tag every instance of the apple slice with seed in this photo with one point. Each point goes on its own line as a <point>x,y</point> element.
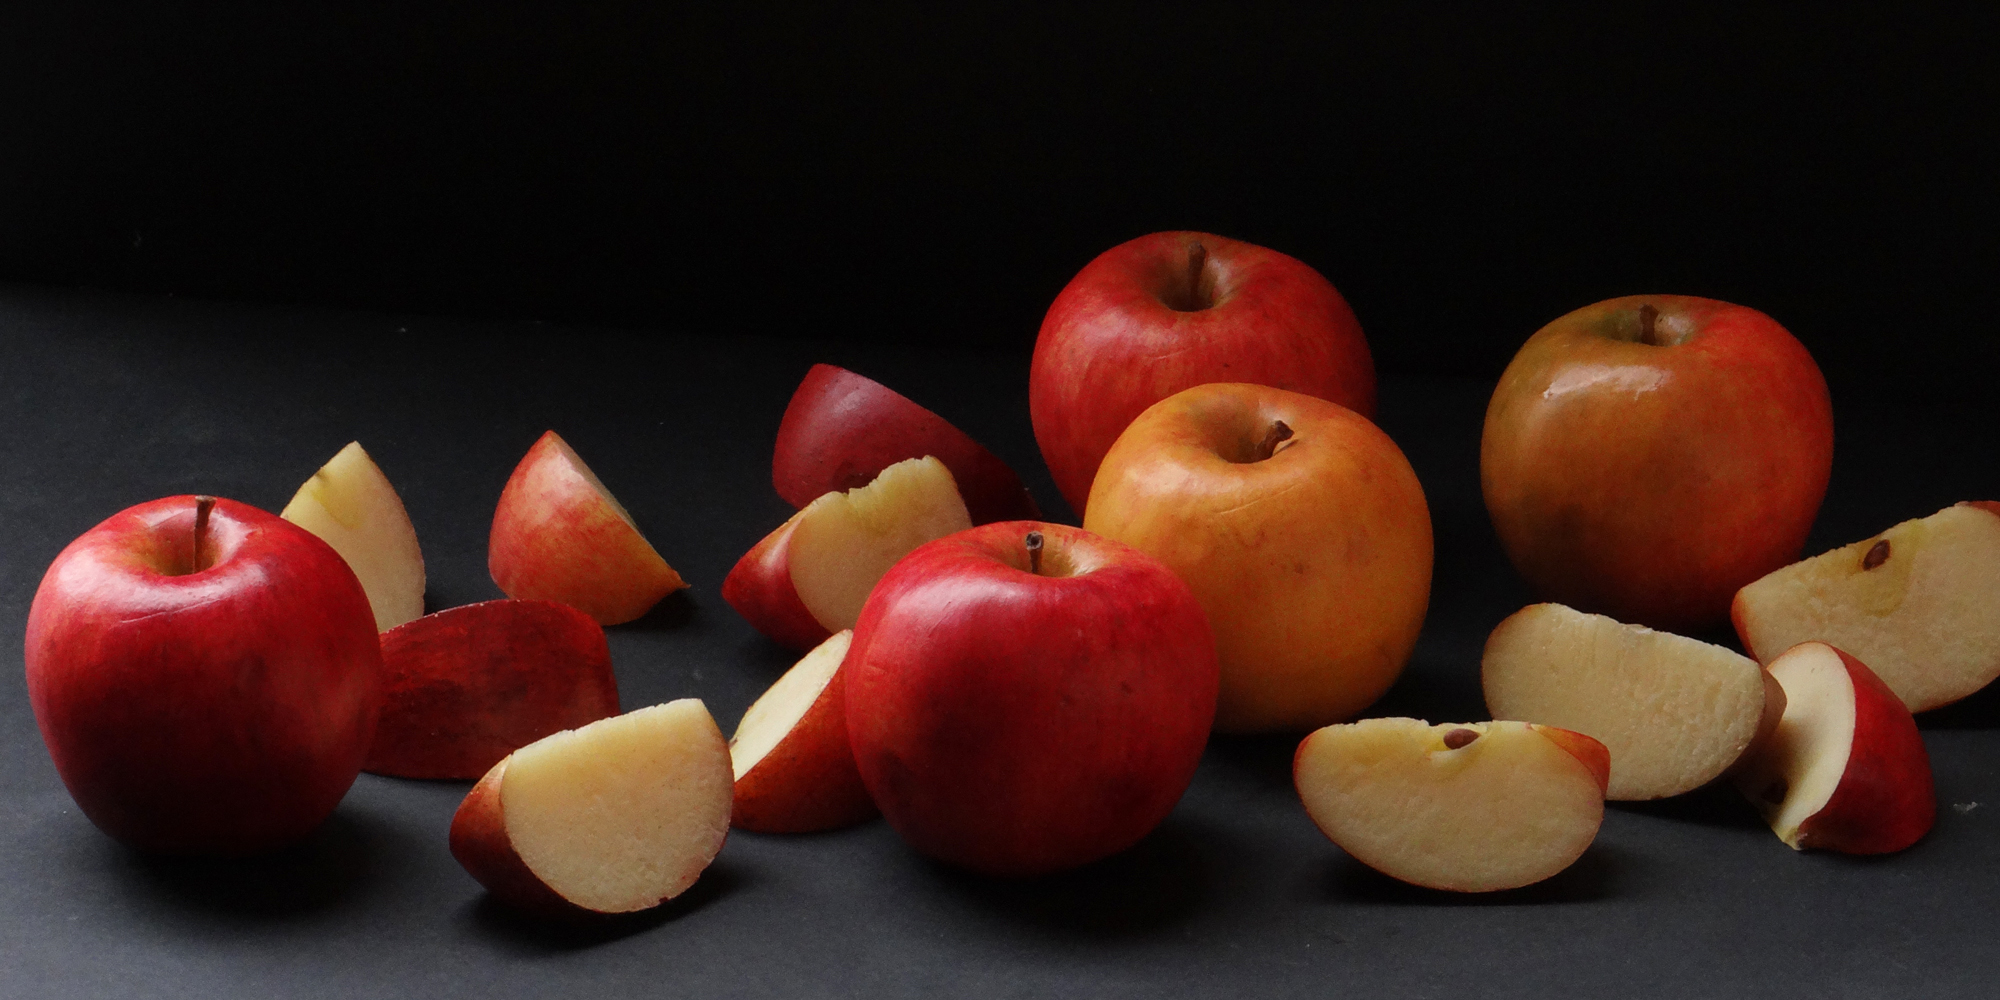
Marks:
<point>1919,603</point>
<point>760,588</point>
<point>795,770</point>
<point>844,542</point>
<point>1472,807</point>
<point>1675,712</point>
<point>350,505</point>
<point>615,817</point>
<point>1846,769</point>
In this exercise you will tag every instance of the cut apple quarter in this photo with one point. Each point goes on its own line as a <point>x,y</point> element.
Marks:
<point>1919,603</point>
<point>1846,769</point>
<point>844,542</point>
<point>1675,712</point>
<point>559,535</point>
<point>618,816</point>
<point>1472,807</point>
<point>760,588</point>
<point>350,505</point>
<point>795,770</point>
<point>464,687</point>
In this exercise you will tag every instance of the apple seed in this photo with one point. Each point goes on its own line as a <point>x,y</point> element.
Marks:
<point>1459,737</point>
<point>1877,555</point>
<point>1774,793</point>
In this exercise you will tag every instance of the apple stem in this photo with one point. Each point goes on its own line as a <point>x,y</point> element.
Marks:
<point>1878,554</point>
<point>1279,433</point>
<point>1648,329</point>
<point>1459,737</point>
<point>202,505</point>
<point>1033,543</point>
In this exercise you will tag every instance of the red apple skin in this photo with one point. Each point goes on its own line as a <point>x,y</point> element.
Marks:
<point>1018,724</point>
<point>465,687</point>
<point>1886,800</point>
<point>1649,483</point>
<point>222,712</point>
<point>480,843</point>
<point>760,588</point>
<point>1113,342</point>
<point>808,782</point>
<point>1586,749</point>
<point>841,429</point>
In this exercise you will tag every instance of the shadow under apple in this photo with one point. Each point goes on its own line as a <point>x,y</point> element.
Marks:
<point>530,934</point>
<point>1592,877</point>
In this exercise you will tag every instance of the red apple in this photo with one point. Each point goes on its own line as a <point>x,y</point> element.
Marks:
<point>760,588</point>
<point>1024,698</point>
<point>1644,457</point>
<point>1169,311</point>
<point>794,767</point>
<point>559,535</point>
<point>1846,769</point>
<point>841,429</point>
<point>467,686</point>
<point>206,676</point>
<point>1301,528</point>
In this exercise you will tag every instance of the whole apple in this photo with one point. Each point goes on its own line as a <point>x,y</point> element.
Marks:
<point>1024,698</point>
<point>206,676</point>
<point>1169,311</point>
<point>1302,530</point>
<point>1647,456</point>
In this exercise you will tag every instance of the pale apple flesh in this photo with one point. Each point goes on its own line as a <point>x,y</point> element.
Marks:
<point>615,817</point>
<point>1469,807</point>
<point>844,542</point>
<point>760,588</point>
<point>559,535</point>
<point>795,770</point>
<point>1846,769</point>
<point>1675,712</point>
<point>350,505</point>
<point>1919,603</point>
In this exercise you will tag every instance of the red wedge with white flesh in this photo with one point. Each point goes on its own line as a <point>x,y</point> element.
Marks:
<point>844,542</point>
<point>350,505</point>
<point>794,767</point>
<point>760,588</point>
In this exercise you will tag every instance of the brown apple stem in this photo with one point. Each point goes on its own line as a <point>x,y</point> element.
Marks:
<point>1648,325</point>
<point>1878,554</point>
<point>1034,546</point>
<point>202,505</point>
<point>1459,737</point>
<point>1279,433</point>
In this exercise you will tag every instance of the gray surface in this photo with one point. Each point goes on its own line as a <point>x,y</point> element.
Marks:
<point>112,401</point>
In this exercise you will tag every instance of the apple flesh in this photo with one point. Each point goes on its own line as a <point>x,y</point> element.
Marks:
<point>1846,769</point>
<point>1468,807</point>
<point>760,588</point>
<point>794,768</point>
<point>1675,712</point>
<point>844,542</point>
<point>615,817</point>
<point>1919,603</point>
<point>559,535</point>
<point>842,429</point>
<point>465,687</point>
<point>350,505</point>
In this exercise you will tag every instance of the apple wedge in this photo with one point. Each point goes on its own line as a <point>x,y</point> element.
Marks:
<point>795,771</point>
<point>1675,712</point>
<point>1473,807</point>
<point>464,687</point>
<point>844,542</point>
<point>350,505</point>
<point>618,816</point>
<point>1919,603</point>
<point>559,535</point>
<point>842,429</point>
<point>760,588</point>
<point>1846,769</point>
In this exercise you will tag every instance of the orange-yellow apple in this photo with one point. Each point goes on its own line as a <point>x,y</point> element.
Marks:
<point>841,429</point>
<point>1675,712</point>
<point>1169,311</point>
<point>1469,807</point>
<point>618,816</point>
<point>464,687</point>
<point>760,588</point>
<point>1024,698</point>
<point>794,769</point>
<point>1846,769</point>
<point>844,542</point>
<point>1644,457</point>
<point>1919,603</point>
<point>350,504</point>
<point>559,535</point>
<point>1301,528</point>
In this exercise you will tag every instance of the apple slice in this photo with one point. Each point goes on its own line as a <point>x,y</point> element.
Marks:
<point>350,505</point>
<point>795,771</point>
<point>1919,603</point>
<point>1675,712</point>
<point>1846,769</point>
<point>841,430</point>
<point>464,687</point>
<point>618,816</point>
<point>844,542</point>
<point>559,535</point>
<point>760,588</point>
<point>1472,807</point>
